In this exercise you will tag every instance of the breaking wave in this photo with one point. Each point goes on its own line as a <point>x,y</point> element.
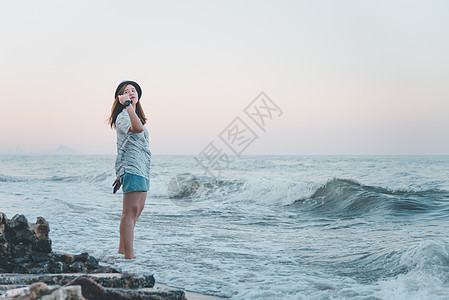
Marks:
<point>344,197</point>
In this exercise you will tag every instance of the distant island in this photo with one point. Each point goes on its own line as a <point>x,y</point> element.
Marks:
<point>61,150</point>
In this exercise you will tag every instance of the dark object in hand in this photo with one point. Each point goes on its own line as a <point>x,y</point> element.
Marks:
<point>116,186</point>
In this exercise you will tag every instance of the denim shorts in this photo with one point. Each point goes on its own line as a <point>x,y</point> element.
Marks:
<point>134,183</point>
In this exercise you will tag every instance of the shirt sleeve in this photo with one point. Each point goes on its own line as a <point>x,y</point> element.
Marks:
<point>123,123</point>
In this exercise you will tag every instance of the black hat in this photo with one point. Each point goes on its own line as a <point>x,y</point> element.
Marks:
<point>133,83</point>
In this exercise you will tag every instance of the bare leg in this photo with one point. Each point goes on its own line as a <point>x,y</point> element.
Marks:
<point>133,204</point>
<point>143,197</point>
<point>121,249</point>
<point>141,205</point>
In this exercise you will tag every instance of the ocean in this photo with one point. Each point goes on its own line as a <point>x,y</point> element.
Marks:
<point>269,227</point>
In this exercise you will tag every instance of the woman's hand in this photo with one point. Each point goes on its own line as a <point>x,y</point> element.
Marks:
<point>123,98</point>
<point>116,185</point>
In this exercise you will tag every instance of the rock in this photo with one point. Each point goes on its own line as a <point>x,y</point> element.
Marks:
<point>34,291</point>
<point>18,222</point>
<point>16,292</point>
<point>86,288</point>
<point>65,293</point>
<point>25,235</point>
<point>40,290</point>
<point>3,222</point>
<point>3,245</point>
<point>77,267</point>
<point>96,286</point>
<point>39,257</point>
<point>19,249</point>
<point>41,228</point>
<point>57,267</point>
<point>93,263</point>
<point>109,280</point>
<point>19,268</point>
<point>92,290</point>
<point>19,260</point>
<point>83,257</point>
<point>67,258</point>
<point>42,245</point>
<point>26,248</point>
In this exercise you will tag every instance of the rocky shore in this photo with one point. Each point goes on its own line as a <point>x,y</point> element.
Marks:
<point>30,270</point>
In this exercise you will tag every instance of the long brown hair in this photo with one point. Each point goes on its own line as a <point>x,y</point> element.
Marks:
<point>117,108</point>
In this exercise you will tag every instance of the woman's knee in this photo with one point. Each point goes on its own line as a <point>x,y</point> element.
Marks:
<point>131,210</point>
<point>133,204</point>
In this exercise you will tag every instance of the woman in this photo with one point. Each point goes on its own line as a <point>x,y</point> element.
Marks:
<point>132,166</point>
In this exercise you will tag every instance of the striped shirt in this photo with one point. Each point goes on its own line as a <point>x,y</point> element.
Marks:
<point>133,150</point>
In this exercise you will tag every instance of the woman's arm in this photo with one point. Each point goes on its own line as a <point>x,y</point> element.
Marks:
<point>136,125</point>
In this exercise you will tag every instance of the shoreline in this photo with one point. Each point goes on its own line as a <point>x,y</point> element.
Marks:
<point>30,268</point>
<point>21,284</point>
<point>190,295</point>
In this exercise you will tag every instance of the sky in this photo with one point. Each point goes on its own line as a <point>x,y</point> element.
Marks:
<point>350,77</point>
